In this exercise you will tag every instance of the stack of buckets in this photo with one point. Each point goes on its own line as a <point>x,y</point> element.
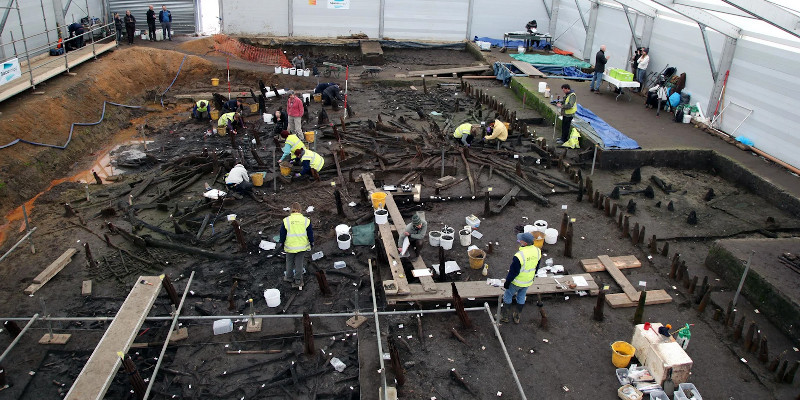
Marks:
<point>343,237</point>
<point>443,238</point>
<point>379,204</point>
<point>541,233</point>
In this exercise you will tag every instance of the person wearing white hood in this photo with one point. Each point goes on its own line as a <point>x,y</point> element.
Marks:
<point>238,180</point>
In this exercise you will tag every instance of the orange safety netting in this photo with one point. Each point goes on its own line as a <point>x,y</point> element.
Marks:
<point>227,45</point>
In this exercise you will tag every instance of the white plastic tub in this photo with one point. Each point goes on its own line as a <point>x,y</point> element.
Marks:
<point>550,236</point>
<point>381,216</point>
<point>273,297</point>
<point>223,326</point>
<point>447,242</point>
<point>277,70</point>
<point>343,241</point>
<point>434,238</point>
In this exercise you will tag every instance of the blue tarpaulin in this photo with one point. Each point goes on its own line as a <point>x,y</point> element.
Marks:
<point>610,136</point>
<point>563,71</point>
<point>502,73</point>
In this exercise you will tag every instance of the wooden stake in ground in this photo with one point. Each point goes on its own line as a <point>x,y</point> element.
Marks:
<point>598,307</point>
<point>704,302</point>
<point>637,317</point>
<point>459,305</point>
<point>543,324</point>
<point>397,365</point>
<point>322,280</point>
<point>89,258</point>
<point>773,365</point>
<point>763,351</point>
<point>568,241</point>
<point>748,338</point>
<point>170,288</point>
<point>564,222</point>
<point>139,387</point>
<point>460,379</point>
<point>308,335</point>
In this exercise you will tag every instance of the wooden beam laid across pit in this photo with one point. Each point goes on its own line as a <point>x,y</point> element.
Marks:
<point>621,262</point>
<point>630,297</point>
<point>51,271</point>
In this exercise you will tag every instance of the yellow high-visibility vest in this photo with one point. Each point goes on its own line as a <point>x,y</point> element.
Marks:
<point>296,238</point>
<point>574,108</point>
<point>224,118</point>
<point>463,129</point>
<point>528,257</point>
<point>295,142</point>
<point>202,106</point>
<point>314,160</point>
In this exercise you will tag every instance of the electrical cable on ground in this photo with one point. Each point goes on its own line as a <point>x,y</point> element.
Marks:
<point>173,80</point>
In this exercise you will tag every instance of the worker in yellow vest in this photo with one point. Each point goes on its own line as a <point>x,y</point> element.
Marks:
<point>297,237</point>
<point>568,109</point>
<point>465,133</point>
<point>199,108</point>
<point>291,145</point>
<point>231,121</point>
<point>520,276</point>
<point>310,161</point>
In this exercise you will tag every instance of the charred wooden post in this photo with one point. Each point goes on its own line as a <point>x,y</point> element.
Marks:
<point>737,331</point>
<point>636,176</point>
<point>773,365</point>
<point>589,189</point>
<point>564,223</point>
<point>704,288</point>
<point>679,277</point>
<point>625,227</point>
<point>599,305</point>
<point>336,133</point>
<point>596,199</point>
<point>670,206</point>
<point>788,377</point>
<point>754,343</point>
<point>322,280</point>
<point>619,219</point>
<point>543,323</point>
<point>137,383</point>
<point>490,248</point>
<point>97,179</point>
<point>344,126</point>
<point>692,218</point>
<point>635,234</point>
<point>458,336</point>
<point>171,292</point>
<point>704,303</point>
<point>781,371</point>
<point>763,350</point>
<point>486,206</point>
<point>69,211</point>
<point>709,195</point>
<point>748,337</point>
<point>665,249</point>
<point>12,328</point>
<point>693,285</point>
<point>177,227</point>
<point>339,206</point>
<point>232,296</point>
<point>642,234</point>
<point>255,155</point>
<point>615,193</point>
<point>308,335</point>
<point>459,305</point>
<point>631,207</point>
<point>89,258</point>
<point>397,365</point>
<point>685,281</point>
<point>607,206</point>
<point>674,267</point>
<point>717,314</point>
<point>580,190</point>
<point>460,379</point>
<point>639,315</point>
<point>729,314</point>
<point>653,245</point>
<point>568,241</point>
<point>237,230</point>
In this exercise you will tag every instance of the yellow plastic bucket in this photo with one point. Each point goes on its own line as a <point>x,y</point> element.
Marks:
<point>286,169</point>
<point>476,258</point>
<point>257,178</point>
<point>253,108</point>
<point>214,114</point>
<point>318,98</point>
<point>309,136</point>
<point>622,352</point>
<point>378,200</point>
<point>507,124</point>
<point>538,238</point>
<point>214,81</point>
<point>221,130</point>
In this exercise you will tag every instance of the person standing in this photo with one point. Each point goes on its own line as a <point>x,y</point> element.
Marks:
<point>165,17</point>
<point>641,70</point>
<point>415,232</point>
<point>151,23</point>
<point>568,109</point>
<point>295,109</point>
<point>600,61</point>
<point>520,276</point>
<point>118,26</point>
<point>297,237</point>
<point>130,25</point>
<point>298,62</point>
<point>635,61</point>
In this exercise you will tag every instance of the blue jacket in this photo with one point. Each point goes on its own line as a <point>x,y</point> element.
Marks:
<point>164,16</point>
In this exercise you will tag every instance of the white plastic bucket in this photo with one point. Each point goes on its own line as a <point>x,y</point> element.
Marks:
<point>343,241</point>
<point>285,71</point>
<point>434,238</point>
<point>277,70</point>
<point>281,92</point>
<point>342,229</point>
<point>540,225</point>
<point>550,236</point>
<point>520,49</point>
<point>547,92</point>
<point>542,86</point>
<point>306,96</point>
<point>381,216</point>
<point>529,228</point>
<point>465,237</point>
<point>687,118</point>
<point>448,231</point>
<point>446,242</point>
<point>292,71</point>
<point>270,94</point>
<point>273,297</point>
<point>306,72</point>
<point>267,117</point>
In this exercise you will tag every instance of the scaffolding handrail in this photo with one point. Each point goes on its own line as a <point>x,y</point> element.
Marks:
<point>50,44</point>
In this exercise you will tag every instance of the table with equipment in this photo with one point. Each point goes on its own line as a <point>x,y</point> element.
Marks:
<point>527,38</point>
<point>621,85</point>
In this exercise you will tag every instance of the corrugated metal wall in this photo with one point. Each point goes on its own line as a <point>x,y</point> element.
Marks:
<point>444,20</point>
<point>183,12</point>
<point>311,20</point>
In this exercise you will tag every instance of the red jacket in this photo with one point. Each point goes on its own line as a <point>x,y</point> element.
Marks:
<point>294,107</point>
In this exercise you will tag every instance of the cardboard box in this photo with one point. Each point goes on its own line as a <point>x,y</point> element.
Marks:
<point>643,339</point>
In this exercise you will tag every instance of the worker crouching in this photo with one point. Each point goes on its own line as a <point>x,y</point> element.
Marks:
<point>231,121</point>
<point>520,276</point>
<point>415,232</point>
<point>291,144</point>
<point>465,133</point>
<point>238,180</point>
<point>311,163</point>
<point>297,237</point>
<point>496,133</point>
<point>200,108</point>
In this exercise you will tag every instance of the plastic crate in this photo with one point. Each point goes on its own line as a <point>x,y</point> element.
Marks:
<point>625,76</point>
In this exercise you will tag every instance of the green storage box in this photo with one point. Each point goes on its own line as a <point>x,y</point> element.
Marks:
<point>624,76</point>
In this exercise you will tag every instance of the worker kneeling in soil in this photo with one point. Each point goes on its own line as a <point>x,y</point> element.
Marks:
<point>231,121</point>
<point>233,105</point>
<point>332,95</point>
<point>465,133</point>
<point>322,86</point>
<point>238,180</point>
<point>415,232</point>
<point>297,237</point>
<point>291,145</point>
<point>199,108</point>
<point>520,276</point>
<point>498,132</point>
<point>310,161</point>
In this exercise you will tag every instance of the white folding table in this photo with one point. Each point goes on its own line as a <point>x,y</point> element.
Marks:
<point>620,84</point>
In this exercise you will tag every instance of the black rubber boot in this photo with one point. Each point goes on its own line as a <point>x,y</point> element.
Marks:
<point>515,315</point>
<point>504,313</point>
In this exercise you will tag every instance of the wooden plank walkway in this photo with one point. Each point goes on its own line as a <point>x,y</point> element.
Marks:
<point>46,67</point>
<point>446,71</point>
<point>399,224</point>
<point>104,363</point>
<point>527,69</point>
<point>630,297</point>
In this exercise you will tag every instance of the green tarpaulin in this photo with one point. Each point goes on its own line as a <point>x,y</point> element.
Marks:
<point>554,60</point>
<point>364,235</point>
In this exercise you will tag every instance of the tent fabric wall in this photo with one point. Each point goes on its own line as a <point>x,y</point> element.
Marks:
<point>763,78</point>
<point>443,20</point>
<point>489,20</point>
<point>255,18</point>
<point>184,19</point>
<point>569,34</point>
<point>613,31</point>
<point>312,20</point>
